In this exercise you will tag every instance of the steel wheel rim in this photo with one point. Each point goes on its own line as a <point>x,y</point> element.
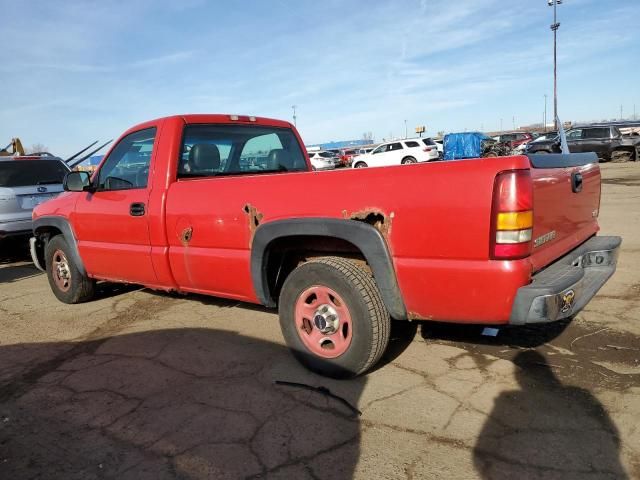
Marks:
<point>323,322</point>
<point>60,271</point>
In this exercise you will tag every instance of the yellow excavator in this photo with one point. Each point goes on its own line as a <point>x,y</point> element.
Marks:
<point>16,149</point>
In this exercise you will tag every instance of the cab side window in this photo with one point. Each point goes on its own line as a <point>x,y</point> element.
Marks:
<point>127,167</point>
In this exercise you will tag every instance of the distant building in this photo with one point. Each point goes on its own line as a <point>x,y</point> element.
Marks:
<point>90,164</point>
<point>340,144</point>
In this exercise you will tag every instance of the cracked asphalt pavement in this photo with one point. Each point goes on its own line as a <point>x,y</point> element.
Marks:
<point>139,384</point>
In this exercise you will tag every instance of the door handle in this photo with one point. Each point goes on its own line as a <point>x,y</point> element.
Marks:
<point>136,209</point>
<point>576,182</point>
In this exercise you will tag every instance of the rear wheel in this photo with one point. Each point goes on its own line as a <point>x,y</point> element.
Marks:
<point>65,280</point>
<point>408,160</point>
<point>360,165</point>
<point>333,318</point>
<point>621,156</point>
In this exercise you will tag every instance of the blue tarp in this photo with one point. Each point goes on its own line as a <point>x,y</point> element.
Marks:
<point>463,145</point>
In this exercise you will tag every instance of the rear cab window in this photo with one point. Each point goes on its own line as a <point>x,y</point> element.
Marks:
<point>220,149</point>
<point>26,173</point>
<point>412,144</point>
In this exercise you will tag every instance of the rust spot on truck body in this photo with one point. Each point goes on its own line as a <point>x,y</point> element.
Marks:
<point>374,217</point>
<point>255,217</point>
<point>186,235</point>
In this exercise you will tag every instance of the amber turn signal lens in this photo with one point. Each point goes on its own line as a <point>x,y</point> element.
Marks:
<point>514,220</point>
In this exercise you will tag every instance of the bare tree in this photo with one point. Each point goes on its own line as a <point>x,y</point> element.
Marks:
<point>367,136</point>
<point>37,147</point>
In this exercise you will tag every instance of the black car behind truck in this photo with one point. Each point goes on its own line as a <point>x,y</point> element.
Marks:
<point>605,140</point>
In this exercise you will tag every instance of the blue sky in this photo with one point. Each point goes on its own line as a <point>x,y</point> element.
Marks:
<point>76,71</point>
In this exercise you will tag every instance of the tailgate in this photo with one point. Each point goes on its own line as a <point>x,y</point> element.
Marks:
<point>566,201</point>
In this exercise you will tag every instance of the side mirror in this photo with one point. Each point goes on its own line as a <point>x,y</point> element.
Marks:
<point>76,181</point>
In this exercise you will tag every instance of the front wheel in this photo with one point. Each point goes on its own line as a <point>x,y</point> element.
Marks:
<point>360,165</point>
<point>65,280</point>
<point>333,318</point>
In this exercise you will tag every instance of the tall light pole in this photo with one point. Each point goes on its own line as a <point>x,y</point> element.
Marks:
<point>544,118</point>
<point>554,27</point>
<point>405,129</point>
<point>294,115</point>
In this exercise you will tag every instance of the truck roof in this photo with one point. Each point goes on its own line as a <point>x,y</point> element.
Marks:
<point>192,118</point>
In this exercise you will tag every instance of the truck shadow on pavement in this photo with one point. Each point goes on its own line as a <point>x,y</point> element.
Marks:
<point>176,403</point>
<point>529,336</point>
<point>547,430</point>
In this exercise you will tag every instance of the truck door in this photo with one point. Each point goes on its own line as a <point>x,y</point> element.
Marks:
<point>111,224</point>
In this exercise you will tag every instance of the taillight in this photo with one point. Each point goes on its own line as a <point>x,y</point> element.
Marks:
<point>512,215</point>
<point>427,149</point>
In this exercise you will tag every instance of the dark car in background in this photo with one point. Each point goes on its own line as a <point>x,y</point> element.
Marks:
<point>515,139</point>
<point>24,184</point>
<point>605,140</point>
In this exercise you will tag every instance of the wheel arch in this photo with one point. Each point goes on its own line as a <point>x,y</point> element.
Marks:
<point>50,226</point>
<point>364,237</point>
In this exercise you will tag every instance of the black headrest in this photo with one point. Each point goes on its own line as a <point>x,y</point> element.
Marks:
<point>279,159</point>
<point>204,157</point>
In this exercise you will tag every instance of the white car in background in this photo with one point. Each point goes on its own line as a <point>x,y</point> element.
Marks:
<point>323,160</point>
<point>398,152</point>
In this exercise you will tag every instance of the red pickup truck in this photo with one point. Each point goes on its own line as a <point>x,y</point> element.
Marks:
<point>229,206</point>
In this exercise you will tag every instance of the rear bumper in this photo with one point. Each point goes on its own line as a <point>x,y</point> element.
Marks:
<point>566,286</point>
<point>15,227</point>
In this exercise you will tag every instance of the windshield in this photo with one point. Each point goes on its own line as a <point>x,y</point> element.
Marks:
<point>25,173</point>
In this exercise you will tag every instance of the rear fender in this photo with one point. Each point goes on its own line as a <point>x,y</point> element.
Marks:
<point>362,235</point>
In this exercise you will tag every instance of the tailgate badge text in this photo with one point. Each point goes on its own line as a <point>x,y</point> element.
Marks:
<point>547,237</point>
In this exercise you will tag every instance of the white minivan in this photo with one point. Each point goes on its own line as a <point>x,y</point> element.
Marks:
<point>398,152</point>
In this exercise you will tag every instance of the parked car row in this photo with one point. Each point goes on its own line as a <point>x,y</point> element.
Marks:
<point>607,141</point>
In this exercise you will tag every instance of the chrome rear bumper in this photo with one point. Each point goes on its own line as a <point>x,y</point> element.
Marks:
<point>566,286</point>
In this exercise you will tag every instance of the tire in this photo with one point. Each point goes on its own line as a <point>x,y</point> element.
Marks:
<point>323,287</point>
<point>408,160</point>
<point>65,280</point>
<point>621,156</point>
<point>360,165</point>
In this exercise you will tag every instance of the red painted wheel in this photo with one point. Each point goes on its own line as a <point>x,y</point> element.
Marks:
<point>68,283</point>
<point>323,321</point>
<point>60,271</point>
<point>333,318</point>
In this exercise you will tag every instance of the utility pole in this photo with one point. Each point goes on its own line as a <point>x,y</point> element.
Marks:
<point>294,115</point>
<point>634,112</point>
<point>544,117</point>
<point>405,129</point>
<point>554,27</point>
<point>620,111</point>
<point>513,120</point>
<point>500,125</point>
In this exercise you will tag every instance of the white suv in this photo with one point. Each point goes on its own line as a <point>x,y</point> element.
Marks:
<point>323,160</point>
<point>398,152</point>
